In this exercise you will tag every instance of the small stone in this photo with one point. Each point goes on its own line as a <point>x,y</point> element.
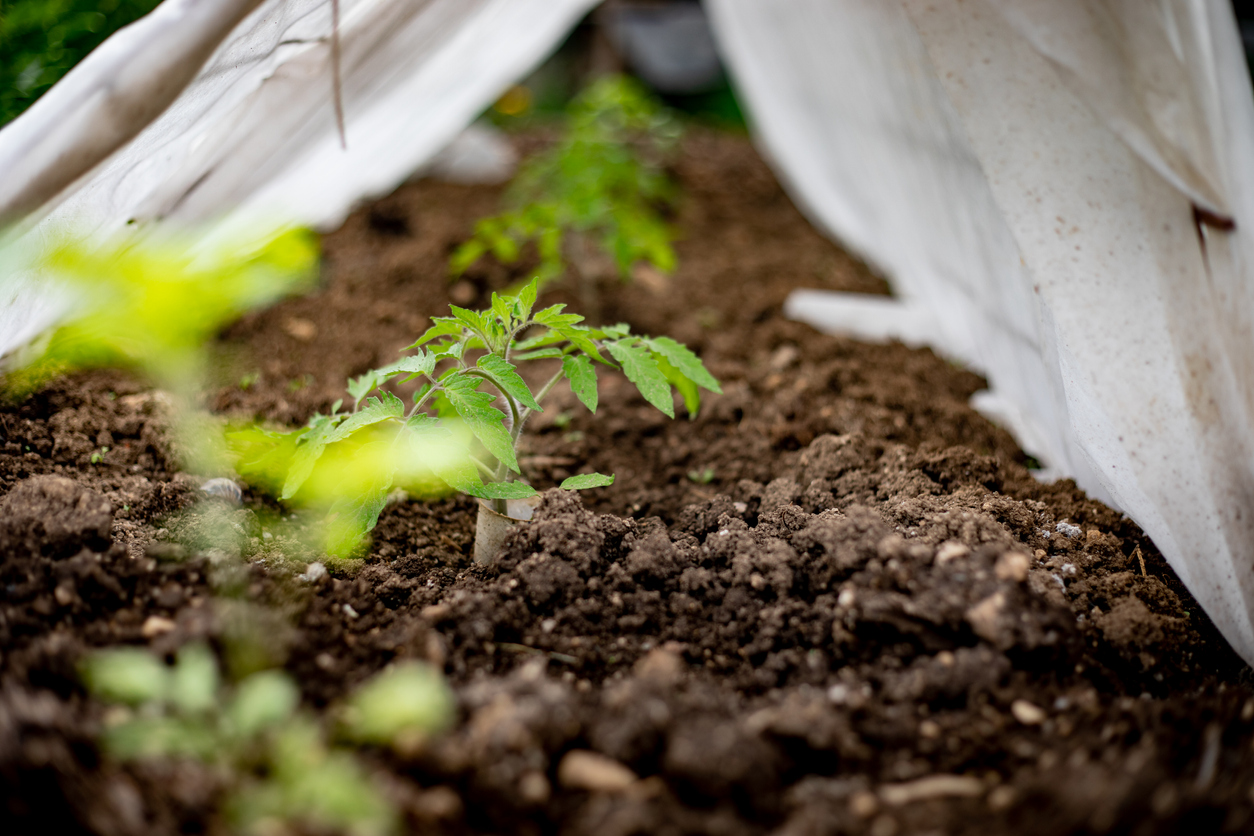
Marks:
<point>1012,566</point>
<point>783,357</point>
<point>949,551</point>
<point>838,694</point>
<point>581,769</point>
<point>155,625</point>
<point>534,788</point>
<point>349,611</point>
<point>435,613</point>
<point>985,616</point>
<point>864,804</point>
<point>313,572</point>
<point>1001,798</point>
<point>660,665</point>
<point>846,598</point>
<point>64,593</point>
<point>1027,713</point>
<point>299,328</point>
<point>439,804</point>
<point>946,658</point>
<point>929,730</point>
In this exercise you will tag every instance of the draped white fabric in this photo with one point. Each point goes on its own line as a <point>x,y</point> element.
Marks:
<point>1052,187</point>
<point>251,143</point>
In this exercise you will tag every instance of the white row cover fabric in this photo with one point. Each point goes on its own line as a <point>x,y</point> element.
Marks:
<point>251,144</point>
<point>1062,192</point>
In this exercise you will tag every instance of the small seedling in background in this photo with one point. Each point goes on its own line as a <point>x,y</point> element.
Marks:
<point>600,186</point>
<point>467,437</point>
<point>400,707</point>
<point>280,768</point>
<point>98,456</point>
<point>702,477</point>
<point>249,380</point>
<point>298,383</point>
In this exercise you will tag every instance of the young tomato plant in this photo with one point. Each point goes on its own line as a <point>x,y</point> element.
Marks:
<point>601,185</point>
<point>279,770</point>
<point>470,410</point>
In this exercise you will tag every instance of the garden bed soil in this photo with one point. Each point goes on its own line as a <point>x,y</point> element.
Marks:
<point>835,602</point>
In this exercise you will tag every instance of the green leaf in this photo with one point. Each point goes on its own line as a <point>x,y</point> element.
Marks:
<point>471,319</point>
<point>465,255</point>
<point>553,315</point>
<point>641,369</point>
<point>417,364</point>
<point>544,338</point>
<point>262,701</point>
<point>454,350</point>
<point>148,737</point>
<point>527,299</point>
<point>582,375</point>
<point>687,363</point>
<point>687,389</point>
<point>539,354</point>
<point>359,387</point>
<point>503,308</point>
<point>126,675</point>
<point>383,408</point>
<point>504,490</point>
<point>581,338</point>
<point>484,420</point>
<point>308,450</point>
<point>194,680</point>
<point>444,327</point>
<point>351,518</point>
<point>409,698</point>
<point>510,382</point>
<point>587,480</point>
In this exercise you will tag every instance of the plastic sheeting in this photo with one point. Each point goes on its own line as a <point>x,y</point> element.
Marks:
<point>1061,192</point>
<point>251,143</point>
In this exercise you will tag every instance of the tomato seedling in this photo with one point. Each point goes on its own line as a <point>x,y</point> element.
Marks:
<point>469,412</point>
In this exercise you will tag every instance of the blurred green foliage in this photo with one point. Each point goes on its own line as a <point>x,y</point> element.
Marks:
<point>603,181</point>
<point>41,40</point>
<point>152,305</point>
<point>281,769</point>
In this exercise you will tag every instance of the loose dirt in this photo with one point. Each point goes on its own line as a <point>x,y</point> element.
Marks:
<point>835,602</point>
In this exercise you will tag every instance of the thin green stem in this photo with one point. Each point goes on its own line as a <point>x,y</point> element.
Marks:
<point>483,468</point>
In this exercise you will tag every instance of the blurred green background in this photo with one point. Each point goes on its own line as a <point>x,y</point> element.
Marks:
<point>40,40</point>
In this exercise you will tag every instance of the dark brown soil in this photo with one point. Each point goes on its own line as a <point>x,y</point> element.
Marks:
<point>836,602</point>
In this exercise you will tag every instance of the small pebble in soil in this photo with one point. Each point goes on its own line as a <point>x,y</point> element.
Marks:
<point>1027,713</point>
<point>156,625</point>
<point>1012,566</point>
<point>313,572</point>
<point>224,489</point>
<point>949,551</point>
<point>864,804</point>
<point>593,772</point>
